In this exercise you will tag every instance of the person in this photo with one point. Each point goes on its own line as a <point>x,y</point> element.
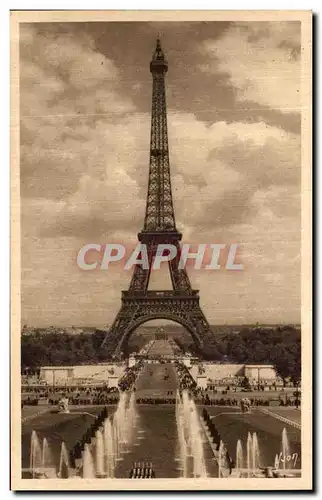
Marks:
<point>245,405</point>
<point>63,405</point>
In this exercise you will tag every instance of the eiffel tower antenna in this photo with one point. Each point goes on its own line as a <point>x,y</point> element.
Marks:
<point>138,303</point>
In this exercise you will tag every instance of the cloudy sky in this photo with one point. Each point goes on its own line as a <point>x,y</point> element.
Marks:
<point>233,95</point>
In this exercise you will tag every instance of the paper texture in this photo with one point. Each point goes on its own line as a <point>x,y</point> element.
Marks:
<point>161,250</point>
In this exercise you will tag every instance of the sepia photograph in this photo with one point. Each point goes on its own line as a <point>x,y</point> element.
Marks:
<point>161,250</point>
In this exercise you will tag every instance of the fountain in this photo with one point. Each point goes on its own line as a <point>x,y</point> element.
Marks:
<point>88,463</point>
<point>284,462</point>
<point>252,455</point>
<point>239,457</point>
<point>109,446</point>
<point>111,440</point>
<point>276,462</point>
<point>220,454</point>
<point>189,436</point>
<point>99,454</point>
<point>119,420</point>
<point>183,446</point>
<point>249,453</point>
<point>132,417</point>
<point>45,450</point>
<point>123,423</point>
<point>36,456</point>
<point>285,448</point>
<point>47,462</point>
<point>63,471</point>
<point>255,454</point>
<point>199,466</point>
<point>41,463</point>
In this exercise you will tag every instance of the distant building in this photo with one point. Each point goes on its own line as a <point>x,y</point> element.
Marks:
<point>109,373</point>
<point>160,335</point>
<point>265,372</point>
<point>228,374</point>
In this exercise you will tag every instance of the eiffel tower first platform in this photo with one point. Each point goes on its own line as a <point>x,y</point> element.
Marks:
<point>181,304</point>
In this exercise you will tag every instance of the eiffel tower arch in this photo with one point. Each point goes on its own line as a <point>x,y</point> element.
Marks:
<point>139,305</point>
<point>145,317</point>
<point>137,310</point>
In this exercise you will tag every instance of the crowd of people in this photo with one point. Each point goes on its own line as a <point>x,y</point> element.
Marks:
<point>75,455</point>
<point>206,401</point>
<point>225,459</point>
<point>101,398</point>
<point>185,380</point>
<point>35,392</point>
<point>156,401</point>
<point>128,380</point>
<point>239,383</point>
<point>112,396</point>
<point>76,395</point>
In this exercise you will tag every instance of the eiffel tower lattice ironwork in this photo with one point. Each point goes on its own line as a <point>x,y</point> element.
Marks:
<point>181,304</point>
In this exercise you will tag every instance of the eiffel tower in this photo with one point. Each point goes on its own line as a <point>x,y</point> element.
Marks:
<point>181,304</point>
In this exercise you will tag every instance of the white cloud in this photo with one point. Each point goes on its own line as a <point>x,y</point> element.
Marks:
<point>261,61</point>
<point>64,75</point>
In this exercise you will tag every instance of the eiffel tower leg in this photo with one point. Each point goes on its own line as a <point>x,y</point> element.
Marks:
<point>201,326</point>
<point>120,327</point>
<point>179,277</point>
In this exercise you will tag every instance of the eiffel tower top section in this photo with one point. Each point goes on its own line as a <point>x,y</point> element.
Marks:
<point>158,63</point>
<point>159,214</point>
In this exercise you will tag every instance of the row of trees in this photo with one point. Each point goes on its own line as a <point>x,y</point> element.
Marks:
<point>280,346</point>
<point>42,349</point>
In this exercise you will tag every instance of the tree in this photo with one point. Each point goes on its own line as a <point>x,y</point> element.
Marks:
<point>287,362</point>
<point>245,384</point>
